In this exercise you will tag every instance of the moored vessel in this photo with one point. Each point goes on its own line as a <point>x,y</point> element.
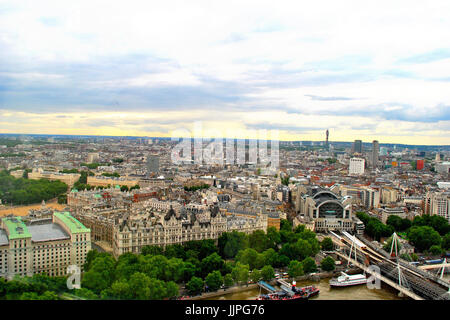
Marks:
<point>346,280</point>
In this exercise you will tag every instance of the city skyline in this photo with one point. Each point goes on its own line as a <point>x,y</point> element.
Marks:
<point>147,70</point>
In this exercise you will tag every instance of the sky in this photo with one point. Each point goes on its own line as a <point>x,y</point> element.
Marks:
<point>369,71</point>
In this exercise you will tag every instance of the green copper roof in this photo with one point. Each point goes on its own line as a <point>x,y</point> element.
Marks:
<point>97,195</point>
<point>73,224</point>
<point>117,186</point>
<point>74,190</point>
<point>16,228</point>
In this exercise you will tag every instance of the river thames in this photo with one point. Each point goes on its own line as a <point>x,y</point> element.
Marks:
<point>360,292</point>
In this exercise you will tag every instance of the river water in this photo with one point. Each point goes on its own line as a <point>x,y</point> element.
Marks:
<point>360,292</point>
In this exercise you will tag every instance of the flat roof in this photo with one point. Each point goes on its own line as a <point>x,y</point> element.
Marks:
<point>16,228</point>
<point>3,237</point>
<point>47,232</point>
<point>73,224</point>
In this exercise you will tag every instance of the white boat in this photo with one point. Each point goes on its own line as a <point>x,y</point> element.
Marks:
<point>348,280</point>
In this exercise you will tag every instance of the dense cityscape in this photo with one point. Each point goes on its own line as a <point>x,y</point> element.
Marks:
<point>139,226</point>
<point>237,159</point>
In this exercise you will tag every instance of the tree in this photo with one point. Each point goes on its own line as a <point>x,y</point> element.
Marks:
<point>231,242</point>
<point>248,256</point>
<point>255,275</point>
<point>270,257</point>
<point>446,241</point>
<point>282,261</point>
<point>267,273</point>
<point>214,280</point>
<point>398,223</point>
<point>258,240</point>
<point>121,290</point>
<point>139,286</point>
<point>435,250</point>
<point>151,250</point>
<point>285,225</point>
<point>228,280</point>
<point>273,238</point>
<point>327,244</point>
<point>240,273</point>
<point>211,263</point>
<point>127,265</point>
<point>172,289</point>
<point>101,273</point>
<point>157,289</point>
<point>309,265</point>
<point>328,264</point>
<point>295,269</point>
<point>195,286</point>
<point>423,237</point>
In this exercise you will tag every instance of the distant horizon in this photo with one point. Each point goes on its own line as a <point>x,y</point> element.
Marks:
<point>367,71</point>
<point>206,138</point>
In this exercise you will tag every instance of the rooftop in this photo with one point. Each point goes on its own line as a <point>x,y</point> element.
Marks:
<point>16,228</point>
<point>3,237</point>
<point>47,232</point>
<point>73,224</point>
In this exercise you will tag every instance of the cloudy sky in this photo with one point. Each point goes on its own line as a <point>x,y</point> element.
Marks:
<point>378,70</point>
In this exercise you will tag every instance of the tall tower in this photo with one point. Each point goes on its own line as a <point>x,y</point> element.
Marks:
<point>375,153</point>
<point>326,142</point>
<point>357,146</point>
<point>152,164</point>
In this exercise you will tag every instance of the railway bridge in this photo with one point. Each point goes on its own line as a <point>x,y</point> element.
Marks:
<point>400,275</point>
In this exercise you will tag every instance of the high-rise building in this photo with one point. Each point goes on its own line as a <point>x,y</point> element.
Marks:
<point>357,147</point>
<point>420,164</point>
<point>327,134</point>
<point>438,203</point>
<point>375,153</point>
<point>356,166</point>
<point>152,164</point>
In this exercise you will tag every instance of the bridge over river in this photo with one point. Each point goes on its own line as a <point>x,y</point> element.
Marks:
<point>407,279</point>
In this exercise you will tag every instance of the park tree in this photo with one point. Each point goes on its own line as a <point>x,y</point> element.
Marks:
<point>152,250</point>
<point>120,290</point>
<point>267,273</point>
<point>328,264</point>
<point>127,265</point>
<point>172,289</point>
<point>282,261</point>
<point>240,273</point>
<point>423,237</point>
<point>255,276</point>
<point>270,257</point>
<point>258,240</point>
<point>140,286</point>
<point>273,238</point>
<point>228,280</point>
<point>248,256</point>
<point>214,280</point>
<point>446,241</point>
<point>230,243</point>
<point>295,269</point>
<point>195,286</point>
<point>211,263</point>
<point>435,250</point>
<point>327,244</point>
<point>309,265</point>
<point>100,274</point>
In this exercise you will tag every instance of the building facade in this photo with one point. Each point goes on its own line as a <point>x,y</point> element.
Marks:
<point>356,166</point>
<point>42,246</point>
